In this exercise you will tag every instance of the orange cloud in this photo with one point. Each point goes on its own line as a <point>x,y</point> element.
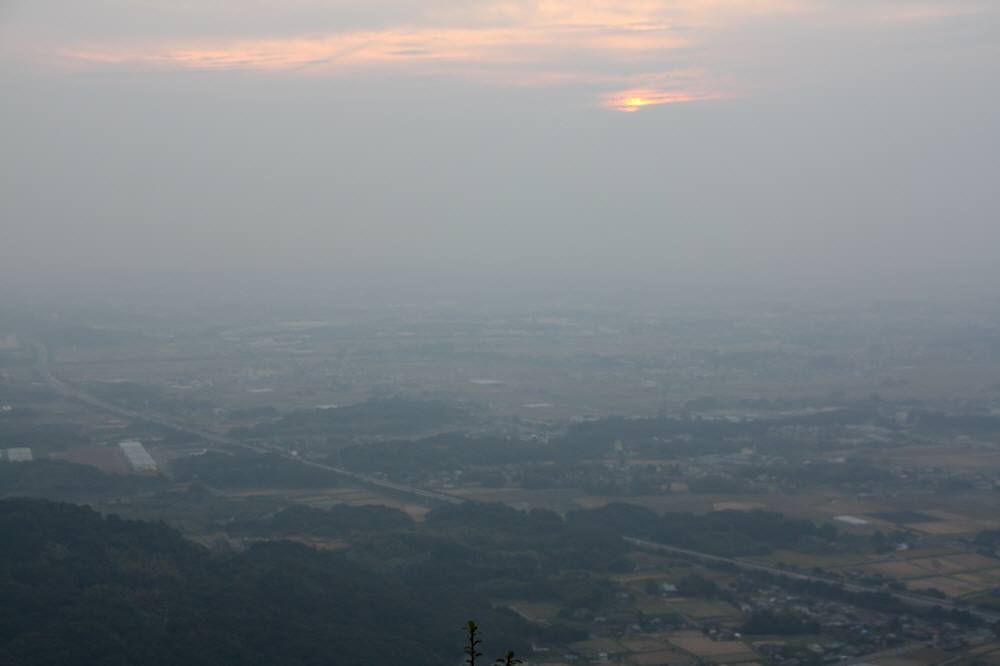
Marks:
<point>466,44</point>
<point>529,42</point>
<point>495,30</point>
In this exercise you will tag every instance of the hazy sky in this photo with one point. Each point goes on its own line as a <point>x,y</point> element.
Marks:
<point>669,139</point>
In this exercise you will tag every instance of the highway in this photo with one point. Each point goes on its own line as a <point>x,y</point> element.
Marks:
<point>73,393</point>
<point>906,597</point>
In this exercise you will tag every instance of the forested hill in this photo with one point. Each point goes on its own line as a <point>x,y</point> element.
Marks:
<point>80,588</point>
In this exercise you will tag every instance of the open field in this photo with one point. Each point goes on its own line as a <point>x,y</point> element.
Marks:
<point>811,560</point>
<point>659,658</point>
<point>595,646</point>
<point>642,577</point>
<point>953,586</point>
<point>653,606</point>
<point>921,657</point>
<point>105,458</point>
<point>960,562</point>
<point>985,654</point>
<point>955,575</point>
<point>320,544</point>
<point>535,611</point>
<point>949,523</point>
<point>644,651</point>
<point>324,499</point>
<point>702,609</point>
<point>958,456</point>
<point>644,645</point>
<point>703,647</point>
<point>813,505</point>
<point>648,563</point>
<point>901,570</point>
<point>736,506</point>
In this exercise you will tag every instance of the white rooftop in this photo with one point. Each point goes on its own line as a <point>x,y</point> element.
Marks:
<point>19,454</point>
<point>138,458</point>
<point>851,520</point>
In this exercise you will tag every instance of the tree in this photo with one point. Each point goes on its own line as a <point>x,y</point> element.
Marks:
<point>472,649</point>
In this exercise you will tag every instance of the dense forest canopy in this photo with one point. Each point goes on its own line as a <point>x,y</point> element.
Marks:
<point>80,588</point>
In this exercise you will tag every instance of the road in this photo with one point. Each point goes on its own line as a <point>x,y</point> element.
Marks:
<point>73,393</point>
<point>906,597</point>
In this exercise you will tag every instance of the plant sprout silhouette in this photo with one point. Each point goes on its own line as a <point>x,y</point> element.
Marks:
<point>472,649</point>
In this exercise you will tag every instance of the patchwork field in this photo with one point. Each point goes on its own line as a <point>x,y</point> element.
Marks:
<point>955,575</point>
<point>703,647</point>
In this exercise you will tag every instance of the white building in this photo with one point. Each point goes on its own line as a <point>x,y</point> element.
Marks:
<point>851,520</point>
<point>20,454</point>
<point>138,458</point>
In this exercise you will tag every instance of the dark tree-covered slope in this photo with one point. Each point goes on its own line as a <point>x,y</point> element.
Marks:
<point>80,588</point>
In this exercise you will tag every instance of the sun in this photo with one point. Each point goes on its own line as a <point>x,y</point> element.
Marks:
<point>630,101</point>
<point>633,104</point>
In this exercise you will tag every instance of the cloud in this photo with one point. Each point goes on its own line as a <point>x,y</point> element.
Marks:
<point>608,44</point>
<point>545,42</point>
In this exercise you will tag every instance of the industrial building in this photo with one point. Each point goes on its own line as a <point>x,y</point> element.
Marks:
<point>20,454</point>
<point>138,458</point>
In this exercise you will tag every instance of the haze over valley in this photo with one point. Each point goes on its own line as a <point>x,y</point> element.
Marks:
<point>658,333</point>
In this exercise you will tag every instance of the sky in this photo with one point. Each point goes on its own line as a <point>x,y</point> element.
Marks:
<point>716,142</point>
